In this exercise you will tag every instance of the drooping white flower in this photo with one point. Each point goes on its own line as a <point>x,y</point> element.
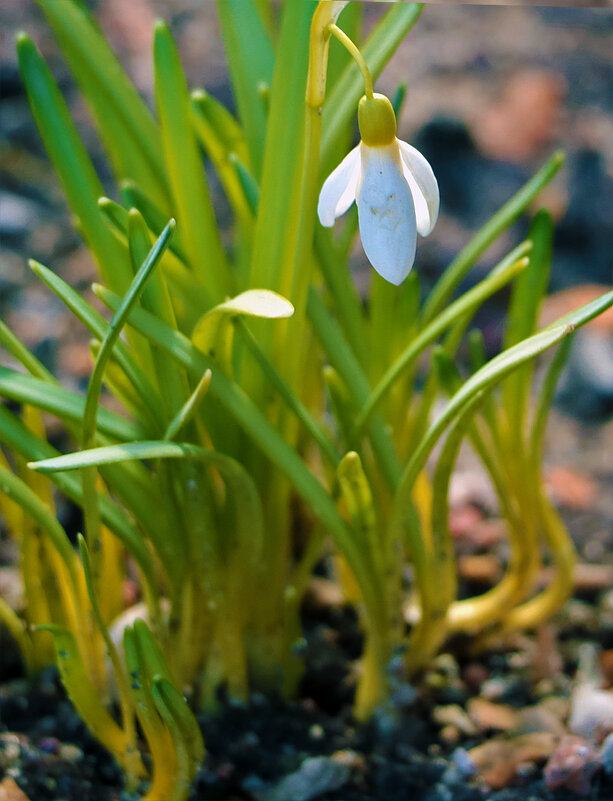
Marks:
<point>394,187</point>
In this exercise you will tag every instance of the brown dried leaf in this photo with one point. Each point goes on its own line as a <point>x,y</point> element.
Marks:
<point>588,578</point>
<point>10,790</point>
<point>541,718</point>
<point>482,569</point>
<point>545,659</point>
<point>486,715</point>
<point>454,715</point>
<point>497,761</point>
<point>572,488</point>
<point>606,665</point>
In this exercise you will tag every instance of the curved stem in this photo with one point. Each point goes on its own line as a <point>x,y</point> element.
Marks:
<point>356,55</point>
<point>537,609</point>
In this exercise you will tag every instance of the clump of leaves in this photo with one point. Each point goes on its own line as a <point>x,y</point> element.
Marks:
<point>258,391</point>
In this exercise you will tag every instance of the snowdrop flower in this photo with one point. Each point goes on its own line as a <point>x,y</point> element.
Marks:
<point>394,188</point>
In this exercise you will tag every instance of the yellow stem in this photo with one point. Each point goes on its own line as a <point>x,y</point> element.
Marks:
<point>356,55</point>
<point>534,611</point>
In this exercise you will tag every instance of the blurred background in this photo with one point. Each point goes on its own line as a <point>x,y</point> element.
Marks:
<point>492,92</point>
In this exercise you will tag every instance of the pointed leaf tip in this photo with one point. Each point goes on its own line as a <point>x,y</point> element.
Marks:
<point>21,39</point>
<point>160,26</point>
<point>260,303</point>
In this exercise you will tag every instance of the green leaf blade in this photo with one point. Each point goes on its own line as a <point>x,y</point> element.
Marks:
<point>251,62</point>
<point>191,196</point>
<point>71,162</point>
<point>127,127</point>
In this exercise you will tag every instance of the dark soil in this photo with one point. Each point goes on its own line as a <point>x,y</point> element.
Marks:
<point>252,750</point>
<point>42,723</point>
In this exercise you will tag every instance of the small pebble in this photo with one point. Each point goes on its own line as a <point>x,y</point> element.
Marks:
<point>354,760</point>
<point>463,762</point>
<point>10,750</point>
<point>572,765</point>
<point>71,753</point>
<point>494,688</point>
<point>446,665</point>
<point>254,786</point>
<point>47,724</point>
<point>49,745</point>
<point>579,613</point>
<point>593,550</point>
<point>519,661</point>
<point>606,601</point>
<point>258,699</point>
<point>591,708</point>
<point>315,777</point>
<point>450,735</point>
<point>309,705</point>
<point>526,770</point>
<point>443,792</point>
<point>403,694</point>
<point>591,711</point>
<point>225,770</point>
<point>474,675</point>
<point>250,740</point>
<point>544,688</point>
<point>606,754</point>
<point>453,694</point>
<point>316,732</point>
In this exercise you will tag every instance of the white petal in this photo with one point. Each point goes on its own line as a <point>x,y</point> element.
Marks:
<point>386,213</point>
<point>338,191</point>
<point>423,185</point>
